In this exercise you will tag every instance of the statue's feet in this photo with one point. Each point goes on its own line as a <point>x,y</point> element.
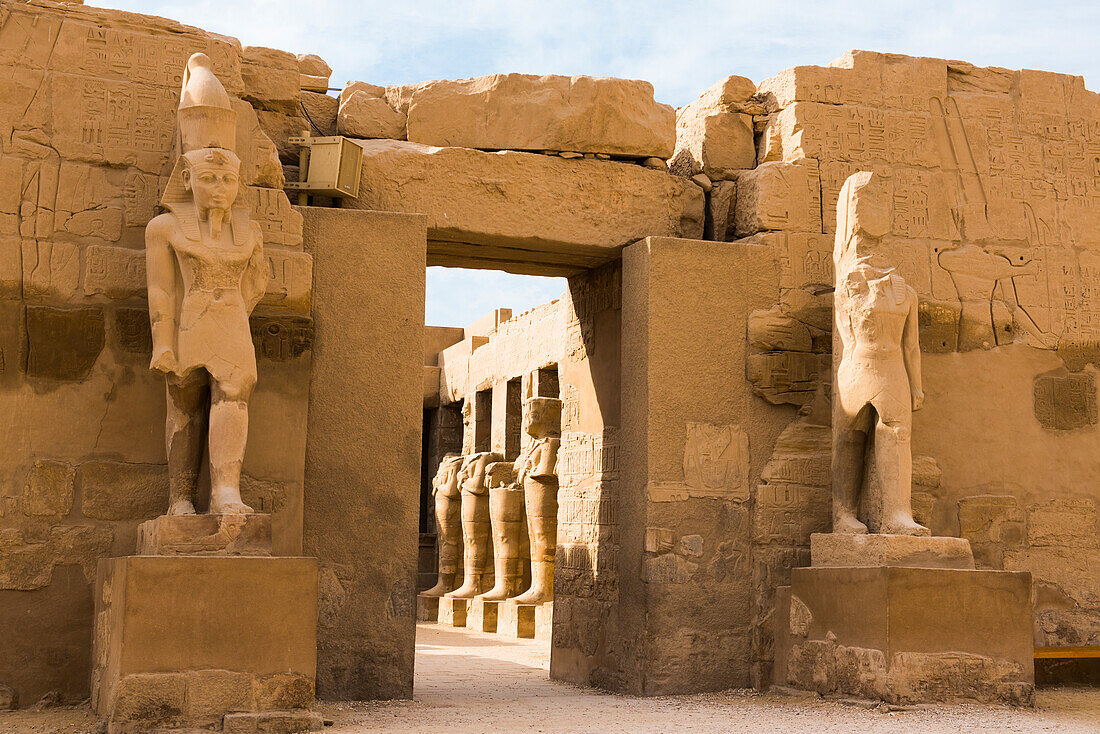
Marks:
<point>848,524</point>
<point>535,595</point>
<point>440,588</point>
<point>497,593</point>
<point>468,590</point>
<point>904,526</point>
<point>226,501</point>
<point>182,507</point>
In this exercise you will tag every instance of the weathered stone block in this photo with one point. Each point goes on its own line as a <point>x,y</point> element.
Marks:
<point>526,112</point>
<point>481,615</point>
<point>83,545</point>
<point>453,612</point>
<point>116,272</point>
<point>427,608</point>
<point>516,620</point>
<point>63,344</point>
<point>290,281</point>
<point>273,722</point>
<point>908,635</point>
<point>564,214</point>
<point>271,79</point>
<point>206,535</point>
<point>713,135</point>
<point>184,640</point>
<point>775,195</point>
<point>1063,523</point>
<point>48,489</point>
<point>874,549</point>
<point>313,65</point>
<point>132,331</point>
<point>50,268</point>
<point>210,693</point>
<point>283,691</point>
<point>26,567</point>
<point>363,116</point>
<point>115,490</point>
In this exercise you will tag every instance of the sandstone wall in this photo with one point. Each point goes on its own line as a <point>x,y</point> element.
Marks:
<point>87,116</point>
<point>994,200</point>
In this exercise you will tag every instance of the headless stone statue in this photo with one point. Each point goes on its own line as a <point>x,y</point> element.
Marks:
<point>475,523</point>
<point>506,513</point>
<point>877,381</point>
<point>448,523</point>
<point>205,274</point>
<point>537,470</point>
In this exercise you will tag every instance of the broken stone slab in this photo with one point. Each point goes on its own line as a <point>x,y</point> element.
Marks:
<point>371,90</point>
<point>560,215</point>
<point>271,79</point>
<point>528,112</point>
<point>713,134</point>
<point>206,535</point>
<point>874,549</point>
<point>363,116</point>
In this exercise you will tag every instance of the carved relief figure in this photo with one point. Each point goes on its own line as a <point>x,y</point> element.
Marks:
<point>205,274</point>
<point>448,523</point>
<point>475,523</point>
<point>877,383</point>
<point>537,470</point>
<point>506,513</point>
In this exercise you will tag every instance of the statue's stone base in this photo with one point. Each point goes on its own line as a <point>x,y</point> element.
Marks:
<point>482,615</point>
<point>452,612</point>
<point>872,549</point>
<point>516,620</point>
<point>907,635</point>
<point>427,608</point>
<point>183,641</point>
<point>206,535</point>
<point>544,621</point>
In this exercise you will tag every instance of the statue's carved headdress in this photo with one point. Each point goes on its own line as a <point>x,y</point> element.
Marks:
<point>207,134</point>
<point>862,212</point>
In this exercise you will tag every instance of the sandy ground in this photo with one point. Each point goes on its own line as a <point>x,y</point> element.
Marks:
<point>473,682</point>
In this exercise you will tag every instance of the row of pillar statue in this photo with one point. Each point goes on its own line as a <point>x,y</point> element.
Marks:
<point>479,495</point>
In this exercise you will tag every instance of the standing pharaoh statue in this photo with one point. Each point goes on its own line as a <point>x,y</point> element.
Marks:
<point>537,470</point>
<point>205,273</point>
<point>506,513</point>
<point>448,523</point>
<point>877,382</point>
<point>475,523</point>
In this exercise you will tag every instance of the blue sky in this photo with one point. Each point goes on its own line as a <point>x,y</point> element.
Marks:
<point>681,47</point>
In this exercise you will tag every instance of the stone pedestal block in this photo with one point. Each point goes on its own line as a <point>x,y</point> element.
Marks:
<point>182,641</point>
<point>273,722</point>
<point>427,608</point>
<point>482,615</point>
<point>206,535</point>
<point>907,635</point>
<point>452,612</point>
<point>873,549</point>
<point>516,620</point>
<point>544,621</point>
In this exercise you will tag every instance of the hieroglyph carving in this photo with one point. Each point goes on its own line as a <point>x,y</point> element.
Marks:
<point>877,383</point>
<point>206,273</point>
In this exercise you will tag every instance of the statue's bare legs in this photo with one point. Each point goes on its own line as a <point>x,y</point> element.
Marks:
<point>849,451</point>
<point>184,436</point>
<point>449,527</point>
<point>228,434</point>
<point>894,465</point>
